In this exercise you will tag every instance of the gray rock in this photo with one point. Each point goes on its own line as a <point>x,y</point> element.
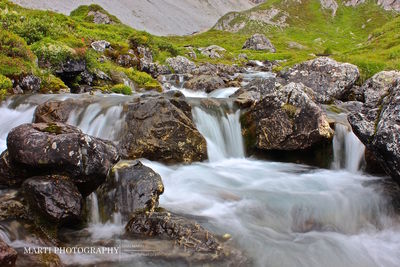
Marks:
<point>207,83</point>
<point>255,91</point>
<point>181,65</point>
<point>55,148</point>
<point>379,130</point>
<point>99,17</point>
<point>71,68</point>
<point>127,60</point>
<point>377,87</point>
<point>328,78</point>
<point>212,51</point>
<point>54,197</point>
<point>131,188</point>
<point>287,119</point>
<point>259,42</point>
<point>100,46</point>
<point>161,128</point>
<point>28,84</point>
<point>145,58</point>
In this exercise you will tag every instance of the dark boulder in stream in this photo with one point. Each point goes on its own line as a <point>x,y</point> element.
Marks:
<point>162,128</point>
<point>378,128</point>
<point>54,197</point>
<point>131,188</point>
<point>286,119</point>
<point>57,148</point>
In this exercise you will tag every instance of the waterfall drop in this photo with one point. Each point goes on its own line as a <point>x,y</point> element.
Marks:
<point>348,151</point>
<point>222,132</point>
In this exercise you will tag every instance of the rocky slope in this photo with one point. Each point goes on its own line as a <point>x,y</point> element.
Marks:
<point>161,17</point>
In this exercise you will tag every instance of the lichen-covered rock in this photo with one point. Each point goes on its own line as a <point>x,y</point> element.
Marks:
<point>99,17</point>
<point>28,84</point>
<point>100,46</point>
<point>377,87</point>
<point>11,206</point>
<point>131,188</point>
<point>161,128</point>
<point>186,233</point>
<point>328,78</point>
<point>57,111</point>
<point>287,119</point>
<point>255,90</point>
<point>57,148</point>
<point>212,51</point>
<point>379,129</point>
<point>181,65</point>
<point>54,197</point>
<point>207,83</point>
<point>259,42</point>
<point>8,255</point>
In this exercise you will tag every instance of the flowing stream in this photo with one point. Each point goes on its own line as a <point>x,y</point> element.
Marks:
<point>279,214</point>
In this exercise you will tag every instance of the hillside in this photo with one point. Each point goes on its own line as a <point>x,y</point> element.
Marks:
<point>161,17</point>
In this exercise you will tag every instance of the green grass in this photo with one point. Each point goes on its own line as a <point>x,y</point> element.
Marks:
<point>121,89</point>
<point>367,36</point>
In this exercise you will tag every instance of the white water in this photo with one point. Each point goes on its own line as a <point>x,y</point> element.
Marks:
<point>222,133</point>
<point>348,151</point>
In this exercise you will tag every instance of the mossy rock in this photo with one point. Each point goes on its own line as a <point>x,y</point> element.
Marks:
<point>121,89</point>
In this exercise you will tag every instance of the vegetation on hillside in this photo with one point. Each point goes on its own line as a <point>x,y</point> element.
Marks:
<point>366,35</point>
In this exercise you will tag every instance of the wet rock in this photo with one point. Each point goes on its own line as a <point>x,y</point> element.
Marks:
<point>205,83</point>
<point>57,111</point>
<point>131,188</point>
<point>328,78</point>
<point>259,42</point>
<point>377,87</point>
<point>187,234</point>
<point>11,206</point>
<point>255,90</point>
<point>379,129</point>
<point>55,148</point>
<point>55,197</point>
<point>181,65</point>
<point>100,46</point>
<point>287,119</point>
<point>212,51</point>
<point>8,255</point>
<point>160,128</point>
<point>10,175</point>
<point>99,17</point>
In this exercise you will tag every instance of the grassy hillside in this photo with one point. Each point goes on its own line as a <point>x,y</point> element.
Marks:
<point>366,35</point>
<point>344,36</point>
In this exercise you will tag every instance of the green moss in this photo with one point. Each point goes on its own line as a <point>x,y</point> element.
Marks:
<point>143,80</point>
<point>50,83</point>
<point>121,89</point>
<point>290,110</point>
<point>82,12</point>
<point>53,128</point>
<point>334,109</point>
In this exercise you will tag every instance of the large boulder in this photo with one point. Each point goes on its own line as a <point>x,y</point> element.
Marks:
<point>58,111</point>
<point>70,68</point>
<point>259,42</point>
<point>377,87</point>
<point>54,197</point>
<point>131,188</point>
<point>328,78</point>
<point>161,128</point>
<point>255,90</point>
<point>10,175</point>
<point>212,51</point>
<point>50,148</point>
<point>181,65</point>
<point>8,255</point>
<point>287,119</point>
<point>378,128</point>
<point>207,83</point>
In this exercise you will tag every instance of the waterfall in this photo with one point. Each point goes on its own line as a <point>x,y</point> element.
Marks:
<point>94,209</point>
<point>348,151</point>
<point>222,132</point>
<point>11,118</point>
<point>105,123</point>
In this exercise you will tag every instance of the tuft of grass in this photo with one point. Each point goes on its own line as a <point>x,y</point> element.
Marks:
<point>121,89</point>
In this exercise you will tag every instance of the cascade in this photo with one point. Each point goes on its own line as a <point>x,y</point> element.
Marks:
<point>348,151</point>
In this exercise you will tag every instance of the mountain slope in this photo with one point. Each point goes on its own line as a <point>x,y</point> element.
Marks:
<point>160,17</point>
